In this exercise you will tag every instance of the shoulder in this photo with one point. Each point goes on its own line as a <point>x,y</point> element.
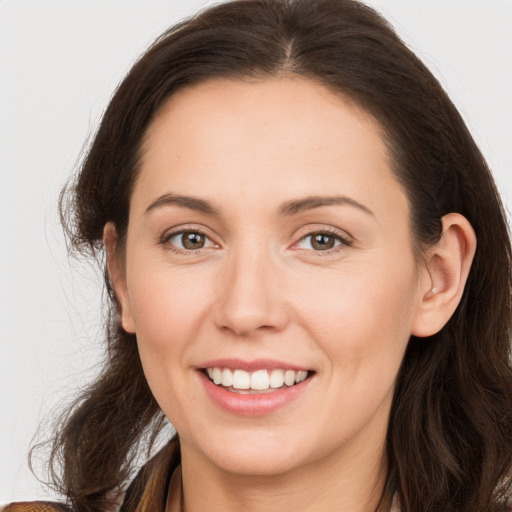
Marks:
<point>35,506</point>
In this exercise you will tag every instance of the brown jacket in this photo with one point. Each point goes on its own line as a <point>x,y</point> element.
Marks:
<point>146,493</point>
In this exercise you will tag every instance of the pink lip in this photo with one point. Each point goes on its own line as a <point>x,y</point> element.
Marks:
<point>251,404</point>
<point>250,366</point>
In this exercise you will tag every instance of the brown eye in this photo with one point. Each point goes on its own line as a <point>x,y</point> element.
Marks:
<point>188,241</point>
<point>321,241</point>
<point>192,240</point>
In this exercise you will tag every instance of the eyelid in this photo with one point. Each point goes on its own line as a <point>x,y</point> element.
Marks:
<point>183,228</point>
<point>312,229</point>
<point>344,238</point>
<point>170,233</point>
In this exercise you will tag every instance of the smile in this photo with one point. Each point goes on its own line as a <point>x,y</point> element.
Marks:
<point>254,388</point>
<point>244,382</point>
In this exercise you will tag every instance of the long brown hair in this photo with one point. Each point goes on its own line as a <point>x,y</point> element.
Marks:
<point>449,442</point>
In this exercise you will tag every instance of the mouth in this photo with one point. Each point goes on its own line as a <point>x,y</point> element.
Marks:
<point>254,388</point>
<point>259,381</point>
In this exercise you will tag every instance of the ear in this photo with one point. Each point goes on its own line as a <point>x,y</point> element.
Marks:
<point>446,271</point>
<point>118,276</point>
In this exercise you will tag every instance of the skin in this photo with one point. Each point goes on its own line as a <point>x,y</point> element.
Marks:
<point>259,288</point>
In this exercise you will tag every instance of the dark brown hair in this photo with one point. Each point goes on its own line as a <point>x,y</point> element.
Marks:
<point>449,442</point>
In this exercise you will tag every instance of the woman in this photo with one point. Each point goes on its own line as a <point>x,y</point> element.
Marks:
<point>309,271</point>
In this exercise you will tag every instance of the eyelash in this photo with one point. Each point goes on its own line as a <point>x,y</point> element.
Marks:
<point>343,241</point>
<point>166,241</point>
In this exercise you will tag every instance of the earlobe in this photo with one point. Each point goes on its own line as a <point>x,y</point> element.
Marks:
<point>117,277</point>
<point>447,268</point>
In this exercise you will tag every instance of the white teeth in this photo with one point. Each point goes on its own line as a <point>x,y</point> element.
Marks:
<point>289,378</point>
<point>301,375</point>
<point>276,379</point>
<point>241,379</point>
<point>217,375</point>
<point>227,377</point>
<point>259,380</point>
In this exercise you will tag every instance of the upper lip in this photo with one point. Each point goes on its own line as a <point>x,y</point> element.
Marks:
<point>252,365</point>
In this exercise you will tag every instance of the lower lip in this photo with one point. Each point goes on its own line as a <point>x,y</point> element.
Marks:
<point>252,404</point>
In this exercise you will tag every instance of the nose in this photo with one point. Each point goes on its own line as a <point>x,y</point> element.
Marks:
<point>250,296</point>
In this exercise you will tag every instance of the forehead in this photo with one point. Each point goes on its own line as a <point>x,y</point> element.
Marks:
<point>287,106</point>
<point>272,137</point>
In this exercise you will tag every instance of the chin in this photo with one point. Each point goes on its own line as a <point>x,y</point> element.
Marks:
<point>260,449</point>
<point>263,465</point>
<point>257,455</point>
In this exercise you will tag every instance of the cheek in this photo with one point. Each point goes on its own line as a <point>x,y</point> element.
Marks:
<point>169,310</point>
<point>361,317</point>
<point>167,304</point>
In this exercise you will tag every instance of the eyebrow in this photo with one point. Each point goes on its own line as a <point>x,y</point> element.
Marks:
<point>286,209</point>
<point>308,203</point>
<point>193,203</point>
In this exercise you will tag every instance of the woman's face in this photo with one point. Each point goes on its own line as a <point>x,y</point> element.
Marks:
<point>269,242</point>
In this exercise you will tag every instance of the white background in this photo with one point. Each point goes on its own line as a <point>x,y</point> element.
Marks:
<point>59,63</point>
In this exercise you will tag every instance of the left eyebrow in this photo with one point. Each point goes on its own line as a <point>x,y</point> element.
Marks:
<point>308,203</point>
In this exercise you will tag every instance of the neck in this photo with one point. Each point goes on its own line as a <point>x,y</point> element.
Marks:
<point>352,482</point>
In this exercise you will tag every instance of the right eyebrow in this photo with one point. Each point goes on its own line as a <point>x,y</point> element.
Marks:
<point>193,203</point>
